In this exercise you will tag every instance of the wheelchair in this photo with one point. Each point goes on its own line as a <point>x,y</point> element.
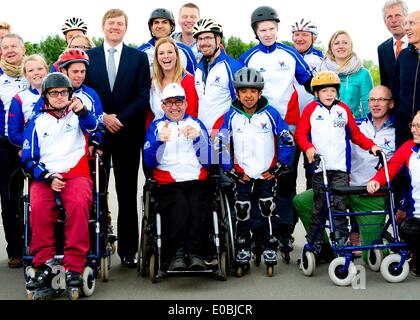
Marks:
<point>220,253</point>
<point>342,270</point>
<point>98,258</point>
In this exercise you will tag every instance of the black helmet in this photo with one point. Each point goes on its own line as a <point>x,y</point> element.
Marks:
<point>56,80</point>
<point>207,25</point>
<point>248,78</point>
<point>263,14</point>
<point>162,13</point>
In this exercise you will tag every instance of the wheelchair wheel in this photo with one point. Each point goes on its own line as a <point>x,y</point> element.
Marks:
<point>308,264</point>
<point>153,269</point>
<point>375,257</point>
<point>239,272</point>
<point>339,277</point>
<point>142,261</point>
<point>88,282</point>
<point>105,263</point>
<point>390,271</point>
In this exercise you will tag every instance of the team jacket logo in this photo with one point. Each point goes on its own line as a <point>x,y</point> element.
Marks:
<point>264,125</point>
<point>340,121</point>
<point>262,70</point>
<point>68,128</point>
<point>216,82</point>
<point>25,145</point>
<point>46,134</point>
<point>283,66</point>
<point>319,118</point>
<point>386,145</point>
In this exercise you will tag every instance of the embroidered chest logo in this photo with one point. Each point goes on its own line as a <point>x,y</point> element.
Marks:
<point>340,121</point>
<point>216,82</point>
<point>282,65</point>
<point>68,128</point>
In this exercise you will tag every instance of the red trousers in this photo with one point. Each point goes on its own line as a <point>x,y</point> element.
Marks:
<point>77,200</point>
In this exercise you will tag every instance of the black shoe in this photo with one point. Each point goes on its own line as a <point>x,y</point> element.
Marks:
<point>129,262</point>
<point>326,254</point>
<point>177,263</point>
<point>196,263</point>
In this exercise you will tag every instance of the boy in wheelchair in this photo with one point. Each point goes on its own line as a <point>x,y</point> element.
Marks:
<point>55,155</point>
<point>177,149</point>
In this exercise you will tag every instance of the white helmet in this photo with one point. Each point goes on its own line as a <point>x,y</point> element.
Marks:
<point>207,25</point>
<point>307,26</point>
<point>74,23</point>
<point>173,90</point>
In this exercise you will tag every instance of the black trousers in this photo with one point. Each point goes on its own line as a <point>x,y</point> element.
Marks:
<point>124,150</point>
<point>10,191</point>
<point>185,208</point>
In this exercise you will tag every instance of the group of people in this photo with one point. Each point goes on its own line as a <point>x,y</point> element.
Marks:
<point>183,105</point>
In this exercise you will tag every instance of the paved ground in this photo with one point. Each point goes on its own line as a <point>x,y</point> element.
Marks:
<point>288,282</point>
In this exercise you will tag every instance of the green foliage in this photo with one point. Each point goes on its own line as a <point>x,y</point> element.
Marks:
<point>50,48</point>
<point>235,46</point>
<point>374,71</point>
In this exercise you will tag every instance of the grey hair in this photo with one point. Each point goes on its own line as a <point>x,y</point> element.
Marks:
<point>391,3</point>
<point>13,36</point>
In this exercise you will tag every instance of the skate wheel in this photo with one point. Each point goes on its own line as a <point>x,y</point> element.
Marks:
<point>239,272</point>
<point>375,258</point>
<point>29,295</point>
<point>113,248</point>
<point>74,294</point>
<point>389,269</point>
<point>308,264</point>
<point>223,266</point>
<point>105,268</point>
<point>152,269</point>
<point>88,282</point>
<point>341,277</point>
<point>270,271</point>
<point>29,273</point>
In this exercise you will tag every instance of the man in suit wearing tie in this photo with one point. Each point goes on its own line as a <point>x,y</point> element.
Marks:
<point>120,75</point>
<point>394,12</point>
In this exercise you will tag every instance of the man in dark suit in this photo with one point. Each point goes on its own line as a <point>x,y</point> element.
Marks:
<point>394,13</point>
<point>121,77</point>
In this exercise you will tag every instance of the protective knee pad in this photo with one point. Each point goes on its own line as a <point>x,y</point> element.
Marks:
<point>267,206</point>
<point>243,210</point>
<point>410,230</point>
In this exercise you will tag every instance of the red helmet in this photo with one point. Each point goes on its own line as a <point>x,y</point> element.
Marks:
<point>72,55</point>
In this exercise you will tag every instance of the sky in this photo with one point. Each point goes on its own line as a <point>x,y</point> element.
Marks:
<point>35,20</point>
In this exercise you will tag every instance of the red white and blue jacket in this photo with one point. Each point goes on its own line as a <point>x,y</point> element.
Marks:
<point>280,65</point>
<point>363,163</point>
<point>9,87</point>
<point>409,155</point>
<point>330,131</point>
<point>187,56</point>
<point>21,110</point>
<point>57,145</point>
<point>179,159</point>
<point>214,85</point>
<point>254,143</point>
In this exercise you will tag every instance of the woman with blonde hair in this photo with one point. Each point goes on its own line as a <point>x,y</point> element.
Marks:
<point>356,81</point>
<point>167,68</point>
<point>34,69</point>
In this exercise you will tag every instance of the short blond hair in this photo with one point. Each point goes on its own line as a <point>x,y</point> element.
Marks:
<point>5,25</point>
<point>33,57</point>
<point>113,13</point>
<point>83,36</point>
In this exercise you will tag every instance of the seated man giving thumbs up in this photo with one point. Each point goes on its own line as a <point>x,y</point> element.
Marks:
<point>177,148</point>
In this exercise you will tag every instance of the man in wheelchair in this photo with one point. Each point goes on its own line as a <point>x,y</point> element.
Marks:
<point>55,155</point>
<point>177,148</point>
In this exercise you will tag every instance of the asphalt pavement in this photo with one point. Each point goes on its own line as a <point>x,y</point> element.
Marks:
<point>287,283</point>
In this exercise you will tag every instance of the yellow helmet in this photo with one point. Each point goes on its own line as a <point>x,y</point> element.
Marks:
<point>324,79</point>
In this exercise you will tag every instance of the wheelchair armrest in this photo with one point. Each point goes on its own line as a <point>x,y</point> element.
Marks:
<point>356,190</point>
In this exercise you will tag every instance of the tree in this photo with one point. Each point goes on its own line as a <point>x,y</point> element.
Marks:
<point>374,71</point>
<point>50,48</point>
<point>235,46</point>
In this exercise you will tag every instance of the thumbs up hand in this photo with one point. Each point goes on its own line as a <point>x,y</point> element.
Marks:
<point>165,133</point>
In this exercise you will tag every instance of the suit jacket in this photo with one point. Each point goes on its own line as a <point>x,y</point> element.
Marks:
<point>129,99</point>
<point>386,57</point>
